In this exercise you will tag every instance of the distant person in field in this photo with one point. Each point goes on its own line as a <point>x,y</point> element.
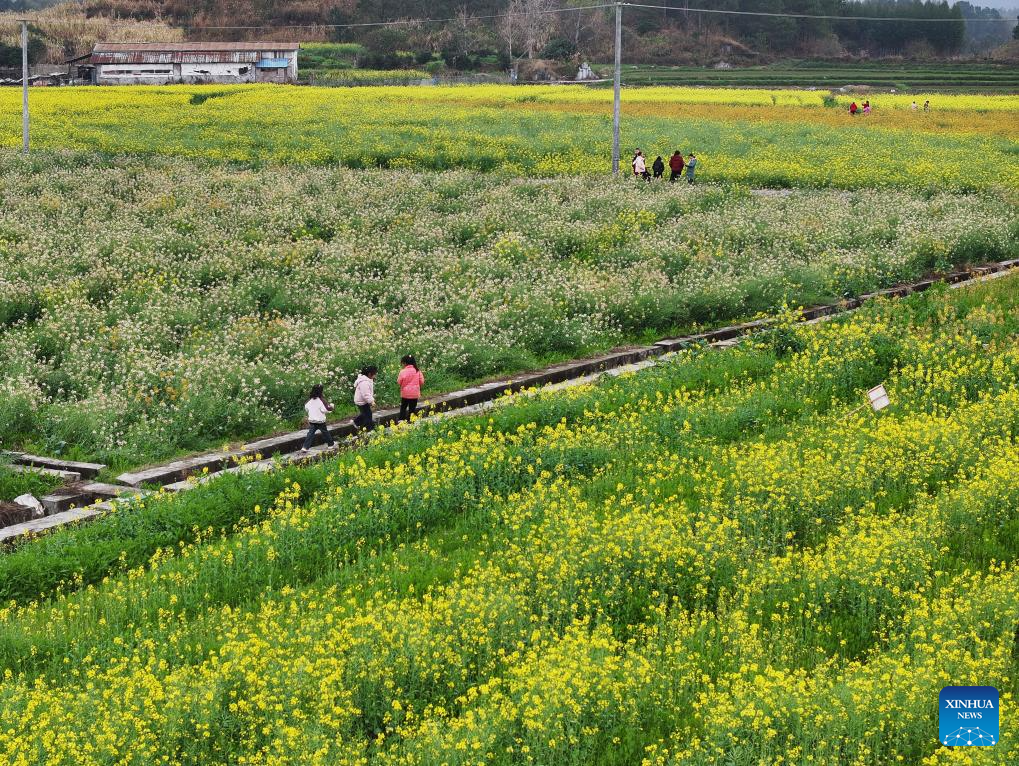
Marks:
<point>633,162</point>
<point>912,107</point>
<point>691,168</point>
<point>364,398</point>
<point>410,381</point>
<point>640,167</point>
<point>659,167</point>
<point>853,109</point>
<point>676,166</point>
<point>318,410</point>
<point>927,105</point>
<point>866,107</point>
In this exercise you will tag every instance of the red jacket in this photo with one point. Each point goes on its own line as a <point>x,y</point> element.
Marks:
<point>676,163</point>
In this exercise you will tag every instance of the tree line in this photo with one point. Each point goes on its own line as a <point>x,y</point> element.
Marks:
<point>505,30</point>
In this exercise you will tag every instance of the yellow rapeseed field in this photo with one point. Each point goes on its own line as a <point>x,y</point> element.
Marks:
<point>760,137</point>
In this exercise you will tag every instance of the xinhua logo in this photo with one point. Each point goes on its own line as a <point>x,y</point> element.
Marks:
<point>968,716</point>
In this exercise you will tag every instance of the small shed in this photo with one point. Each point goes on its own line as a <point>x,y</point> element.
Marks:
<point>165,63</point>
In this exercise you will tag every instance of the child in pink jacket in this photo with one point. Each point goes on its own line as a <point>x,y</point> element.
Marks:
<point>410,381</point>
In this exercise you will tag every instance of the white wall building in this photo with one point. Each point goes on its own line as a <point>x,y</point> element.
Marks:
<point>165,63</point>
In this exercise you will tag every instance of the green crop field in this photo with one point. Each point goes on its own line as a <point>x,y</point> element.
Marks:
<point>906,77</point>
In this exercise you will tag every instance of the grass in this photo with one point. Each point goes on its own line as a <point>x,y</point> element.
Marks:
<point>322,56</point>
<point>16,483</point>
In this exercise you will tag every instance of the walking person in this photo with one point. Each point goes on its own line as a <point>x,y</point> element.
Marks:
<point>633,162</point>
<point>364,398</point>
<point>691,167</point>
<point>640,167</point>
<point>410,381</point>
<point>659,167</point>
<point>318,410</point>
<point>676,166</point>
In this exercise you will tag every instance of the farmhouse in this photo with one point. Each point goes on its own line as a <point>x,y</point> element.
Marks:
<point>164,63</point>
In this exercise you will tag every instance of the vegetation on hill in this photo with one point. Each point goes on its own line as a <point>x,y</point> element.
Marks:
<point>492,33</point>
<point>62,31</point>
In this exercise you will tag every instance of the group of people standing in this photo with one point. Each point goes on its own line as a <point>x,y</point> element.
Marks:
<point>410,380</point>
<point>676,167</point>
<point>855,109</point>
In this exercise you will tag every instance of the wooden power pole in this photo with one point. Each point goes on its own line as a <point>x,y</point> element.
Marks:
<point>617,88</point>
<point>24,86</point>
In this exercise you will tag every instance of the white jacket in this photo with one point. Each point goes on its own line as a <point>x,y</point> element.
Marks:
<point>364,390</point>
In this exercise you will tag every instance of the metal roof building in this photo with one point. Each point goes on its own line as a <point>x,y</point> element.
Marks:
<point>164,63</point>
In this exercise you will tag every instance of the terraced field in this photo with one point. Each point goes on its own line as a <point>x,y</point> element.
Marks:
<point>916,78</point>
<point>712,561</point>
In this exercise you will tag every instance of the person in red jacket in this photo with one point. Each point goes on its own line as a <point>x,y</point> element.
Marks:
<point>410,381</point>
<point>853,108</point>
<point>676,166</point>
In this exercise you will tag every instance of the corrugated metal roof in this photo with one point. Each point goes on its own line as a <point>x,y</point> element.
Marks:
<point>187,53</point>
<point>205,47</point>
<point>176,57</point>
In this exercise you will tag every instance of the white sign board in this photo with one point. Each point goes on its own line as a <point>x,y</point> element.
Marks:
<point>878,398</point>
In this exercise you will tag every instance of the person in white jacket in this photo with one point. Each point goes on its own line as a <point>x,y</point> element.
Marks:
<point>364,398</point>
<point>318,409</point>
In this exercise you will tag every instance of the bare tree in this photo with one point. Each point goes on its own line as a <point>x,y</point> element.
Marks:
<point>534,23</point>
<point>511,25</point>
<point>468,34</point>
<point>582,21</point>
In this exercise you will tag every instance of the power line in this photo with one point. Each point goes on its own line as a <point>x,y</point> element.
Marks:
<point>548,11</point>
<point>908,20</point>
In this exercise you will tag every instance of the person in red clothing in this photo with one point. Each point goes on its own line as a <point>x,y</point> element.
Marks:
<point>676,166</point>
<point>853,108</point>
<point>410,381</point>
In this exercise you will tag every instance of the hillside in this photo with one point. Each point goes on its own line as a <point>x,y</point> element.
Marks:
<point>493,32</point>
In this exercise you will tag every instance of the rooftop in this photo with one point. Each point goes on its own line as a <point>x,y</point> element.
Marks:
<point>193,47</point>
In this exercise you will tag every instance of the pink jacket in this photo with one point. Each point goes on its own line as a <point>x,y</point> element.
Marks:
<point>410,381</point>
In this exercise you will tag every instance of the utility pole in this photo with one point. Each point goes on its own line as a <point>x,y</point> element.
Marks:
<point>24,86</point>
<point>618,86</point>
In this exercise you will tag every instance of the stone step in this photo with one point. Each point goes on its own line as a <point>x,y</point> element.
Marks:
<point>81,495</point>
<point>86,470</point>
<point>65,476</point>
<point>180,486</point>
<point>37,526</point>
<point>178,470</point>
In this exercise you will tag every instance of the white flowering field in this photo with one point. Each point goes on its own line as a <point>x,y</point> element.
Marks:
<point>154,306</point>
